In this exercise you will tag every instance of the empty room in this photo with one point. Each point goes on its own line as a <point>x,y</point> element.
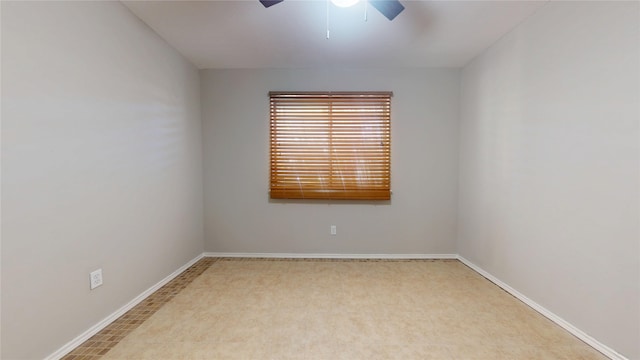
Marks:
<point>320,179</point>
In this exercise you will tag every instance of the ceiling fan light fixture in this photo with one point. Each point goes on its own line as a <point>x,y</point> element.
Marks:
<point>344,3</point>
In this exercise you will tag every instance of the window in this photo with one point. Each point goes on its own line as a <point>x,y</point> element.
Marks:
<point>330,145</point>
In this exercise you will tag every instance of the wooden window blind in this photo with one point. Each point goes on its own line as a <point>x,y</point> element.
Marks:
<point>334,145</point>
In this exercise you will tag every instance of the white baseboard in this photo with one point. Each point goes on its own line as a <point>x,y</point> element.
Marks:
<point>330,256</point>
<point>67,348</point>
<point>605,350</point>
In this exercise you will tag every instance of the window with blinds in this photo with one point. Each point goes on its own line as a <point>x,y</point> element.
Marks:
<point>334,145</point>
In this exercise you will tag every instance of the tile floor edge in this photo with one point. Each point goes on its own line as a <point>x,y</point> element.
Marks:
<point>332,256</point>
<point>95,329</point>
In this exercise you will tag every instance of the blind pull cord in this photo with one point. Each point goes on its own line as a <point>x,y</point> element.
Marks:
<point>328,19</point>
<point>365,10</point>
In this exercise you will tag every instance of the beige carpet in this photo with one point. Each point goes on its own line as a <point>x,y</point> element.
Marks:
<point>292,309</point>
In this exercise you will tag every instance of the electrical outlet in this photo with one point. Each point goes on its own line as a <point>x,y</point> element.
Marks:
<point>95,278</point>
<point>333,230</point>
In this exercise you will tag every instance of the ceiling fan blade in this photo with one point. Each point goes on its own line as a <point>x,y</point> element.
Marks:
<point>388,8</point>
<point>268,3</point>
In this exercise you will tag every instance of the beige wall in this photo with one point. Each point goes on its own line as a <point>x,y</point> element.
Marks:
<point>101,167</point>
<point>421,217</point>
<point>549,169</point>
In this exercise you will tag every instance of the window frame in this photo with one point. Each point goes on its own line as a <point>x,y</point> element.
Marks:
<point>356,169</point>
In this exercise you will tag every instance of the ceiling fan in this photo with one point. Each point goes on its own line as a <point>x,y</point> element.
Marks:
<point>389,8</point>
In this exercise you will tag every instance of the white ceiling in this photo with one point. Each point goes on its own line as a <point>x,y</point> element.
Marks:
<point>292,34</point>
